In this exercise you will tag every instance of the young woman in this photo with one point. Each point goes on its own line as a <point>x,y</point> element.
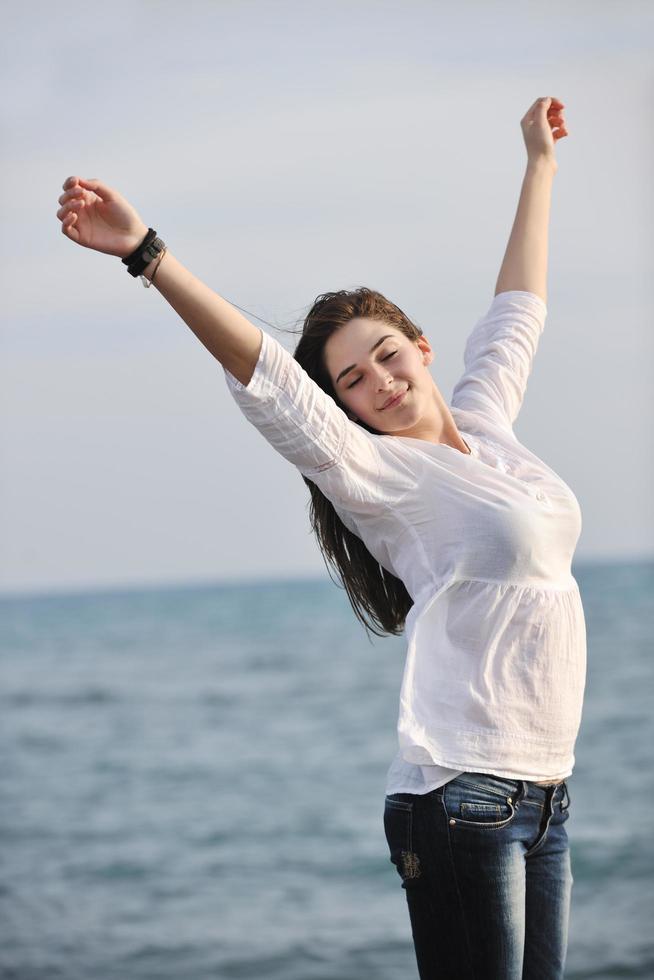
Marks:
<point>438,520</point>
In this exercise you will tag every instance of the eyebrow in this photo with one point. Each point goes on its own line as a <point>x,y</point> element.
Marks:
<point>373,348</point>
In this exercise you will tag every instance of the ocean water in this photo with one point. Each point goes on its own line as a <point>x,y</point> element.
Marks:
<point>192,786</point>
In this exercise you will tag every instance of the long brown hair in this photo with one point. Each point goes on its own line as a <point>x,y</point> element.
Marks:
<point>379,598</point>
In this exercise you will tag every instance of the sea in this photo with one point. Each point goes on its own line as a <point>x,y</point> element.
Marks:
<point>192,785</point>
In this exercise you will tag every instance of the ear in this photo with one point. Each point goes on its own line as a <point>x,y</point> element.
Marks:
<point>425,347</point>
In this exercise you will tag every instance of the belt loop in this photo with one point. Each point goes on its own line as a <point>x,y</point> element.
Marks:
<point>567,795</point>
<point>551,793</point>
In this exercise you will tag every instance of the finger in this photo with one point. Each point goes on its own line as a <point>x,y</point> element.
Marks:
<point>69,182</point>
<point>544,103</point>
<point>73,202</point>
<point>72,193</point>
<point>70,206</point>
<point>102,190</point>
<point>68,227</point>
<point>549,103</point>
<point>531,110</point>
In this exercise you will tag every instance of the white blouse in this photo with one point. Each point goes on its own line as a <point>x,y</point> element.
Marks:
<point>496,641</point>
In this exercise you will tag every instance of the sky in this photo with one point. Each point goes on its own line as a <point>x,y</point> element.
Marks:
<point>283,150</point>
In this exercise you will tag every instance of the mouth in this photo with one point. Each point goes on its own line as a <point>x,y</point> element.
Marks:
<point>394,400</point>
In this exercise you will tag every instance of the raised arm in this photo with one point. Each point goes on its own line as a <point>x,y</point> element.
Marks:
<point>96,216</point>
<point>525,262</point>
<point>225,332</point>
<point>352,467</point>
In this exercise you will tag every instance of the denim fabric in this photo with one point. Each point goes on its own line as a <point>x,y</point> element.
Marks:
<point>485,865</point>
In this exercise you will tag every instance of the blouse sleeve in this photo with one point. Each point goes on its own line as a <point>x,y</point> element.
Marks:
<point>306,426</point>
<point>498,357</point>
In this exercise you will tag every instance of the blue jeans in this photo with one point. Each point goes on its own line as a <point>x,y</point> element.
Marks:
<point>485,865</point>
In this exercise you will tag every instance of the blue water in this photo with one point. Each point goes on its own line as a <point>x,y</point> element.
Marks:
<point>192,786</point>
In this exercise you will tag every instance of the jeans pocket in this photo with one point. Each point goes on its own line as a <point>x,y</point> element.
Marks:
<point>398,827</point>
<point>476,802</point>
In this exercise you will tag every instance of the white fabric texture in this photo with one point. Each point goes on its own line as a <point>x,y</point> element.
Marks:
<point>496,640</point>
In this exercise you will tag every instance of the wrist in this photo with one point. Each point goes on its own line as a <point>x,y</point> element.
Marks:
<point>542,164</point>
<point>134,241</point>
<point>153,266</point>
<point>143,255</point>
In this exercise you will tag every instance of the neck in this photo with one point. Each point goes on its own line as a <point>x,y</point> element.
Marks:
<point>440,427</point>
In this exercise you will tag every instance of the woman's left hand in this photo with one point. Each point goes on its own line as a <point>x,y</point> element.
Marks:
<point>542,125</point>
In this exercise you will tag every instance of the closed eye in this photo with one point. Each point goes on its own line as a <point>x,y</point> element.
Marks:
<point>392,354</point>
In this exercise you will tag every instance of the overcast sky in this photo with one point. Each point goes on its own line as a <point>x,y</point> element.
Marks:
<point>282,150</point>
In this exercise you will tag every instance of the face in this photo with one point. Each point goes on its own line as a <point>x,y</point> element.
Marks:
<point>370,362</point>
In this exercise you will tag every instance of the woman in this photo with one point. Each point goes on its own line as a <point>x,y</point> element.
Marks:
<point>440,520</point>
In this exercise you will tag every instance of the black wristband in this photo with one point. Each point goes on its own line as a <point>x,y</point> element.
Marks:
<point>149,237</point>
<point>142,256</point>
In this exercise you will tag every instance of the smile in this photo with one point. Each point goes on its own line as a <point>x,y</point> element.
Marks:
<point>395,401</point>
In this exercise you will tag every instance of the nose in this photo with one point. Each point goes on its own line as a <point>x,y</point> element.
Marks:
<point>383,379</point>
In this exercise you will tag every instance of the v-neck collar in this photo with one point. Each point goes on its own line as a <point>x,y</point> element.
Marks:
<point>442,445</point>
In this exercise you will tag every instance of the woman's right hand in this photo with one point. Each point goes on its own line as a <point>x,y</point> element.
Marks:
<point>98,217</point>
